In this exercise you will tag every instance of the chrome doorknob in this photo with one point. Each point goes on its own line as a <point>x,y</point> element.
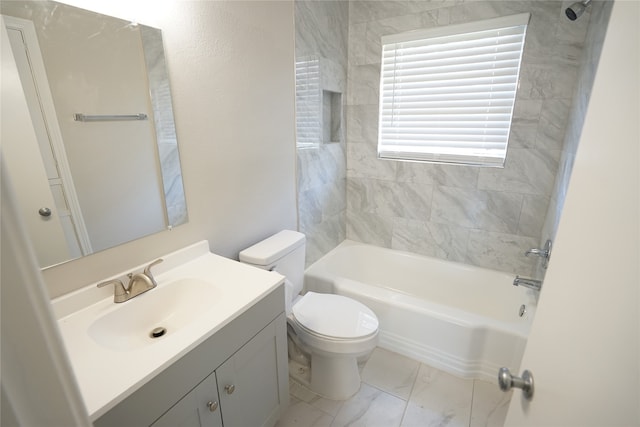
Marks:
<point>507,381</point>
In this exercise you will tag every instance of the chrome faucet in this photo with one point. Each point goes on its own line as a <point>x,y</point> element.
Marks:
<point>544,253</point>
<point>536,285</point>
<point>138,284</point>
<point>538,252</point>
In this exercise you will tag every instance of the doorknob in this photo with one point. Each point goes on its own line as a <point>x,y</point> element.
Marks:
<point>507,381</point>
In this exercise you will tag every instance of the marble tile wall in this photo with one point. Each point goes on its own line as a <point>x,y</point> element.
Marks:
<point>600,12</point>
<point>481,216</point>
<point>321,32</point>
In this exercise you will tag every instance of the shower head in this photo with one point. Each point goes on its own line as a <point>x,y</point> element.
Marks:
<point>574,11</point>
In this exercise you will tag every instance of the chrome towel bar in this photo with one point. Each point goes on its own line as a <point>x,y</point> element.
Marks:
<point>79,117</point>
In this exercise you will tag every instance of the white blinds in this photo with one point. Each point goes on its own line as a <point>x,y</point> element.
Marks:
<point>308,102</point>
<point>447,94</point>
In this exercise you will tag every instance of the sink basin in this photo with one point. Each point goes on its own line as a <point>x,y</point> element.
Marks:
<point>162,311</point>
<point>109,345</point>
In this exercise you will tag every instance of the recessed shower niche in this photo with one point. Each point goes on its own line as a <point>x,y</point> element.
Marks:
<point>331,116</point>
<point>320,84</point>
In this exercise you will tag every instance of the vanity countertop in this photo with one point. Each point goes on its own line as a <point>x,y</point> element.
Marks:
<point>107,374</point>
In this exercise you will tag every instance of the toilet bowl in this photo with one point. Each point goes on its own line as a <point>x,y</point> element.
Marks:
<point>332,331</point>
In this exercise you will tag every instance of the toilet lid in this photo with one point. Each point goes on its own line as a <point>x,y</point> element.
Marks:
<point>335,316</point>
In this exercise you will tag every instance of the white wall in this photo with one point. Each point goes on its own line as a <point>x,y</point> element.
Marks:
<point>231,67</point>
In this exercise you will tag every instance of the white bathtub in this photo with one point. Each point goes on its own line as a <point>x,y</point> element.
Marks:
<point>462,319</point>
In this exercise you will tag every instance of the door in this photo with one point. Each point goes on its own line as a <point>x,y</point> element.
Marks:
<point>24,164</point>
<point>28,59</point>
<point>583,349</point>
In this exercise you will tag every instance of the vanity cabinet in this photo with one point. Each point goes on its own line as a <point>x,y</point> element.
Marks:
<point>248,381</point>
<point>243,390</point>
<point>199,408</point>
<point>236,378</point>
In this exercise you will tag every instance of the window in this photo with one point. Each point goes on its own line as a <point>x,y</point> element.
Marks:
<point>447,93</point>
<point>308,103</point>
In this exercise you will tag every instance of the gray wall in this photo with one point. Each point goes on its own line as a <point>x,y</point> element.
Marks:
<point>481,216</point>
<point>321,32</point>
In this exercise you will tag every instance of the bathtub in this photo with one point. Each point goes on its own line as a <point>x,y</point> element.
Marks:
<point>461,319</point>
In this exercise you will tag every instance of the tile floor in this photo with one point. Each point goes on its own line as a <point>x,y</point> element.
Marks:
<point>398,391</point>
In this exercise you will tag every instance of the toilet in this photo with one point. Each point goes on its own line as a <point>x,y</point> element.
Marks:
<point>330,331</point>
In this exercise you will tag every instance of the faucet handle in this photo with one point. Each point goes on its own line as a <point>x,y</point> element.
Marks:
<point>538,252</point>
<point>544,253</point>
<point>147,270</point>
<point>119,291</point>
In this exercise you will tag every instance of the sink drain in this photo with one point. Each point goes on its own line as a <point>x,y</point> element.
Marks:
<point>158,332</point>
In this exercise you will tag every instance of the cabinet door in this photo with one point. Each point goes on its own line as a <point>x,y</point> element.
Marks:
<point>199,408</point>
<point>252,384</point>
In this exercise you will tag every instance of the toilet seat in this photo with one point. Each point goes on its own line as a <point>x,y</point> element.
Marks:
<point>334,317</point>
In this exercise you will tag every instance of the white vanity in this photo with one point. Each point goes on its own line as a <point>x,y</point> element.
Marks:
<point>222,360</point>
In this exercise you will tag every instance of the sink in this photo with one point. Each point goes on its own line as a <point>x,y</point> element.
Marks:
<point>109,345</point>
<point>155,315</point>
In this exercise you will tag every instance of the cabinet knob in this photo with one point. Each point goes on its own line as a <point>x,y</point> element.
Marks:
<point>230,388</point>
<point>213,406</point>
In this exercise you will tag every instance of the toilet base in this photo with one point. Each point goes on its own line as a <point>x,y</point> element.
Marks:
<point>336,378</point>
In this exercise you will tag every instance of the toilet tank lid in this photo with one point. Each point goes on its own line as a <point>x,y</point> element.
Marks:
<point>272,248</point>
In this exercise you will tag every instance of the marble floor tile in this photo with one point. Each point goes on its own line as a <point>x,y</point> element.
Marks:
<point>300,392</point>
<point>490,405</point>
<point>301,414</point>
<point>438,399</point>
<point>391,372</point>
<point>370,407</point>
<point>399,391</point>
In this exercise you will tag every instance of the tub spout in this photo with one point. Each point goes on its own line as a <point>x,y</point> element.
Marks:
<point>527,283</point>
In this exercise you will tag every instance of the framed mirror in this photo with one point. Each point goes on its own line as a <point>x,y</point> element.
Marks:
<point>90,141</point>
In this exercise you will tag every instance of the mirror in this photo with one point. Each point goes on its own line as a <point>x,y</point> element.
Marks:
<point>90,142</point>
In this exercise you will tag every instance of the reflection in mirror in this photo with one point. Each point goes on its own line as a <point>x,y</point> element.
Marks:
<point>92,182</point>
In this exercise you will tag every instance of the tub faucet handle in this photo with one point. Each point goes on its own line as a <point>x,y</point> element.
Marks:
<point>544,253</point>
<point>538,252</point>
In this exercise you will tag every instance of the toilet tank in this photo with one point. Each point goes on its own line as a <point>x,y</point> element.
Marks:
<point>283,252</point>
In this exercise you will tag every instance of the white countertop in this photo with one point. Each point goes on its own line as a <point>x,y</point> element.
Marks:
<point>106,376</point>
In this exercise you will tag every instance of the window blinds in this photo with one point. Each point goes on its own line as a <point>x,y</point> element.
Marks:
<point>447,94</point>
<point>308,103</point>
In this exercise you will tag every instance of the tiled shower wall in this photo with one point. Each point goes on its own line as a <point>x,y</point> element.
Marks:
<point>321,32</point>
<point>600,12</point>
<point>481,216</point>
